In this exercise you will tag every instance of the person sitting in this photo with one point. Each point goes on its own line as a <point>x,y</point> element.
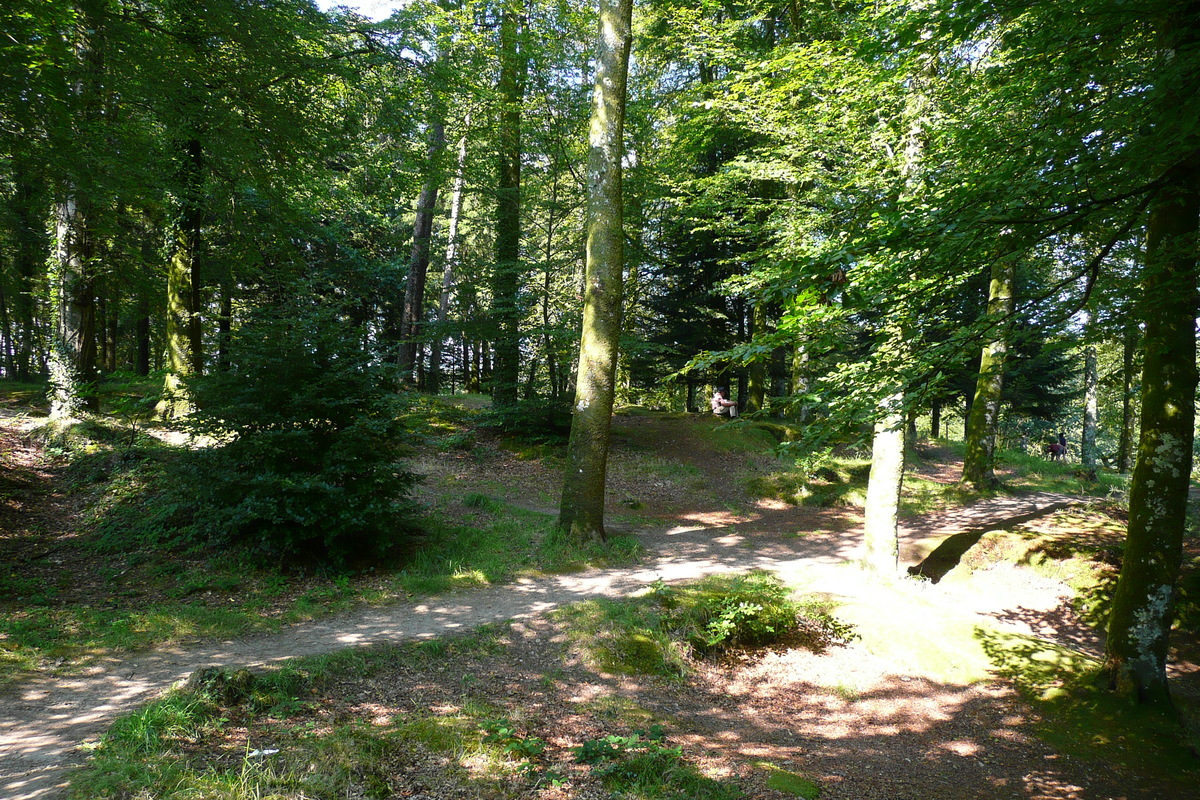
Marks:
<point>722,406</point>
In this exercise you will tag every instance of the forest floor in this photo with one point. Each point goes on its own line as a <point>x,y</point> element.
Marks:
<point>902,713</point>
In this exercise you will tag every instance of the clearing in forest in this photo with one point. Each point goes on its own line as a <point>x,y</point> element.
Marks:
<point>960,684</point>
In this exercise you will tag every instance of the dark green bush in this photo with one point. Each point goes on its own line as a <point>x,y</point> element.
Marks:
<point>306,440</point>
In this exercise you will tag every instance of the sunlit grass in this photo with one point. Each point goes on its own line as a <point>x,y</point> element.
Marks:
<point>1085,721</point>
<point>827,482</point>
<point>942,646</point>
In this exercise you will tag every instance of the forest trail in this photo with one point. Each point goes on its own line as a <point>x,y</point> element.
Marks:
<point>45,723</point>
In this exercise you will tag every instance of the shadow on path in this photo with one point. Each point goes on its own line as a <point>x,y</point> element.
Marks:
<point>43,722</point>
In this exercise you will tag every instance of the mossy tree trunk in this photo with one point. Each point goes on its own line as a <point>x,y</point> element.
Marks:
<point>1143,602</point>
<point>448,269</point>
<point>72,353</point>
<point>1139,625</point>
<point>1129,343</point>
<point>756,394</point>
<point>1091,399</point>
<point>984,416</point>
<point>185,349</point>
<point>582,511</point>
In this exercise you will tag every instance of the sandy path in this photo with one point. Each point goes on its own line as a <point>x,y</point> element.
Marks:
<point>43,722</point>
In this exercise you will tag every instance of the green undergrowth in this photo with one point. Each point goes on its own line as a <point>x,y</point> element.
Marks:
<point>791,783</point>
<point>836,477</point>
<point>1080,719</point>
<point>820,480</point>
<point>137,582</point>
<point>659,631</point>
<point>190,743</point>
<point>240,736</point>
<point>1030,472</point>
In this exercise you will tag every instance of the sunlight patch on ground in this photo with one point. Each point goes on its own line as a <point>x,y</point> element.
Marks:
<point>714,518</point>
<point>961,748</point>
<point>771,504</point>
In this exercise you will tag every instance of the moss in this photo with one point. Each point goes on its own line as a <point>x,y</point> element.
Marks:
<point>791,783</point>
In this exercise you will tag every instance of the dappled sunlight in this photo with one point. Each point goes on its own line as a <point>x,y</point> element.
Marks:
<point>714,518</point>
<point>771,504</point>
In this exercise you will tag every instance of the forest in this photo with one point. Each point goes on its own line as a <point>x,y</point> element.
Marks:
<point>309,242</point>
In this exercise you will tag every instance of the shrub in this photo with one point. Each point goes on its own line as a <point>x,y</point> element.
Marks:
<point>307,440</point>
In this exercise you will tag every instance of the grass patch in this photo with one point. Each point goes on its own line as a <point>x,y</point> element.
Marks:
<point>923,496</point>
<point>1035,473</point>
<point>132,585</point>
<point>644,765</point>
<point>238,736</point>
<point>790,783</point>
<point>819,480</point>
<point>943,646</point>
<point>657,632</point>
<point>1089,723</point>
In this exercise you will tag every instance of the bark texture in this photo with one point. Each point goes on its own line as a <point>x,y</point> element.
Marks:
<point>418,265</point>
<point>984,417</point>
<point>185,350</point>
<point>1144,600</point>
<point>448,269</point>
<point>582,511</point>
<point>1139,625</point>
<point>1091,407</point>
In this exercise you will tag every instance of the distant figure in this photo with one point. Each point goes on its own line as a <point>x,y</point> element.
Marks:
<point>1058,450</point>
<point>721,406</point>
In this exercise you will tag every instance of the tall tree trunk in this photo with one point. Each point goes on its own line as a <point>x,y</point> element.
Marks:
<point>547,285</point>
<point>582,511</point>
<point>506,276</point>
<point>1129,343</point>
<point>1139,625</point>
<point>29,212</point>
<point>101,329</point>
<point>72,355</point>
<point>112,332</point>
<point>185,354</point>
<point>225,323</point>
<point>935,419</point>
<point>756,394</point>
<point>418,265</point>
<point>6,335</point>
<point>880,544</point>
<point>142,365</point>
<point>1144,600</point>
<point>1091,403</point>
<point>452,243</point>
<point>800,379</point>
<point>984,417</point>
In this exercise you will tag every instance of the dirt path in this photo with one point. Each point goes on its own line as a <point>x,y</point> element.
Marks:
<point>44,722</point>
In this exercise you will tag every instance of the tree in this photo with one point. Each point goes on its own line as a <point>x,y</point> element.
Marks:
<point>978,463</point>
<point>1143,602</point>
<point>582,509</point>
<point>506,282</point>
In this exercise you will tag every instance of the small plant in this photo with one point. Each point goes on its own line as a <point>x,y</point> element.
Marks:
<point>652,634</point>
<point>528,749</point>
<point>504,733</point>
<point>482,502</point>
<point>643,764</point>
